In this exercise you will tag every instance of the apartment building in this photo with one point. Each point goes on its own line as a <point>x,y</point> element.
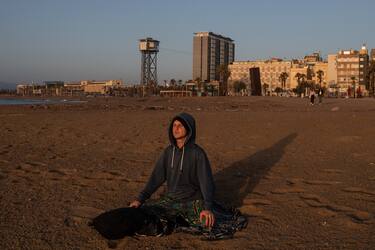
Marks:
<point>352,68</point>
<point>270,71</point>
<point>211,50</point>
<point>332,70</point>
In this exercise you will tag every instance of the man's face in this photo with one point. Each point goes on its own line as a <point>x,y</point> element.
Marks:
<point>179,131</point>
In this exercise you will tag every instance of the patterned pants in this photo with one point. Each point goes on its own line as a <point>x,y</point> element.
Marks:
<point>185,217</point>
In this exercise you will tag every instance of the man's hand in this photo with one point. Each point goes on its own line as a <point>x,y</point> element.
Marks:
<point>208,216</point>
<point>135,204</point>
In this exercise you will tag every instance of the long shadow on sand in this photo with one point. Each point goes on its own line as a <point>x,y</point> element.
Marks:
<point>235,182</point>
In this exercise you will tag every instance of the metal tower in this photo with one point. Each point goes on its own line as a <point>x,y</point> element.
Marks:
<point>149,49</point>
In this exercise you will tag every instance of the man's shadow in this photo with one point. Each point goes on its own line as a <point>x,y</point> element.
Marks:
<point>238,180</point>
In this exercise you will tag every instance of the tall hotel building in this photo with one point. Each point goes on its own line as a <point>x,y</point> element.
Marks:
<point>352,64</point>
<point>209,51</point>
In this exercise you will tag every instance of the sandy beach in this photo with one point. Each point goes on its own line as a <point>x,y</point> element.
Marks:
<point>304,175</point>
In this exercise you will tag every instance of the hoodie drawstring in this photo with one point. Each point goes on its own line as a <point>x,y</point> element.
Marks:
<point>182,157</point>
<point>172,158</point>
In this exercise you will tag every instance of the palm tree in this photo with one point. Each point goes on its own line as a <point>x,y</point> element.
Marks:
<point>238,86</point>
<point>301,80</point>
<point>319,75</point>
<point>282,78</point>
<point>299,77</point>
<point>224,74</point>
<point>278,90</point>
<point>172,82</point>
<point>305,84</point>
<point>198,81</point>
<point>265,87</point>
<point>353,81</point>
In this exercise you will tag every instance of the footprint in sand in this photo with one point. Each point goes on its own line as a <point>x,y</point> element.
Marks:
<point>357,215</point>
<point>323,205</point>
<point>9,130</point>
<point>312,197</point>
<point>36,164</point>
<point>360,215</point>
<point>57,175</point>
<point>256,212</point>
<point>6,149</point>
<point>262,202</point>
<point>251,210</point>
<point>333,171</point>
<point>81,214</point>
<point>349,138</point>
<point>4,152</point>
<point>29,170</point>
<point>294,181</point>
<point>319,204</point>
<point>287,190</point>
<point>140,161</point>
<point>108,175</point>
<point>112,172</point>
<point>84,183</point>
<point>90,180</point>
<point>271,177</point>
<point>311,182</point>
<point>358,190</point>
<point>85,212</point>
<point>3,162</point>
<point>259,193</point>
<point>24,170</point>
<point>117,176</point>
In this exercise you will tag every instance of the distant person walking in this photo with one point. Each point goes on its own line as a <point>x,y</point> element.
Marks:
<point>320,95</point>
<point>312,97</point>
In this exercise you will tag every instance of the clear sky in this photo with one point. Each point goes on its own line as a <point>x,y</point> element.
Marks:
<point>92,39</point>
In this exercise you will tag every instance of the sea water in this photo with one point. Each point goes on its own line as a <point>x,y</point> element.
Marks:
<point>9,101</point>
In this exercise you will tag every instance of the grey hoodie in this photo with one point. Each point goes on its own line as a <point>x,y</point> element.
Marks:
<point>186,170</point>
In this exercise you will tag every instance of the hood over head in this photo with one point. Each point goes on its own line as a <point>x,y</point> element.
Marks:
<point>189,123</point>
